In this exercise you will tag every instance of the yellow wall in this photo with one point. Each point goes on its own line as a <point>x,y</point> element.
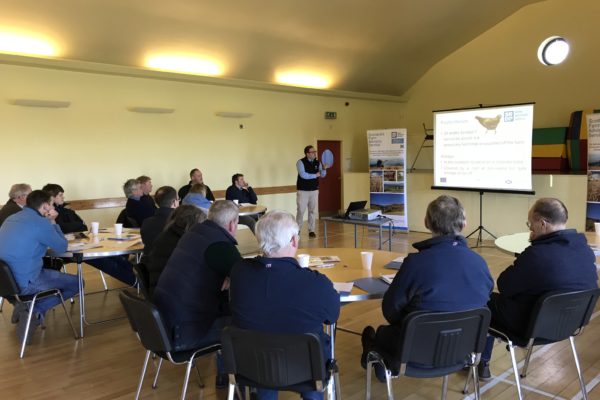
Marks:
<point>93,146</point>
<point>501,67</point>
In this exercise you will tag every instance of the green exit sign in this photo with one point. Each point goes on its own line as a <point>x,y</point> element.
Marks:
<point>330,115</point>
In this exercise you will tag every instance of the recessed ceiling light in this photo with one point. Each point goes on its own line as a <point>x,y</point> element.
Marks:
<point>26,44</point>
<point>303,79</point>
<point>186,64</point>
<point>553,50</point>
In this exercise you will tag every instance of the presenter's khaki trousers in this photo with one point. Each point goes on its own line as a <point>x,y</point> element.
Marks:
<point>304,199</point>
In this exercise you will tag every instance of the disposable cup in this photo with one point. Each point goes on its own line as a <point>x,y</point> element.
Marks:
<point>367,259</point>
<point>303,260</point>
<point>95,227</point>
<point>597,228</point>
<point>236,201</point>
<point>118,229</point>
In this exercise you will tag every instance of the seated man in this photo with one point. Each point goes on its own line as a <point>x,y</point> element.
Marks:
<point>146,186</point>
<point>167,200</point>
<point>558,259</point>
<point>118,267</point>
<point>192,290</point>
<point>17,197</point>
<point>241,191</point>
<point>24,240</point>
<point>197,197</point>
<point>136,209</point>
<point>445,275</point>
<point>195,177</point>
<point>180,221</point>
<point>274,294</point>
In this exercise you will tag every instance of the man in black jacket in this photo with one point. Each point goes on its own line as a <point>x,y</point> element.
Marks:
<point>241,191</point>
<point>17,197</point>
<point>195,177</point>
<point>167,200</point>
<point>558,259</point>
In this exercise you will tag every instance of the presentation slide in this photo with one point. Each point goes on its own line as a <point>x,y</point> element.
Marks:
<point>484,148</point>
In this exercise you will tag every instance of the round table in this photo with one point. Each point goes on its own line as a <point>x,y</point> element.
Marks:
<point>252,209</point>
<point>518,242</point>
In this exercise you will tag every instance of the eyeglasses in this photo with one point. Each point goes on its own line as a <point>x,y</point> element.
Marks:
<point>529,223</point>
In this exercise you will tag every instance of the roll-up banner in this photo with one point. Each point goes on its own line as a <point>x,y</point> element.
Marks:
<point>593,174</point>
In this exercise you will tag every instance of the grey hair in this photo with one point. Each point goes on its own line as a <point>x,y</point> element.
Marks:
<point>129,186</point>
<point>445,216</point>
<point>222,212</point>
<point>552,210</point>
<point>18,189</point>
<point>274,230</point>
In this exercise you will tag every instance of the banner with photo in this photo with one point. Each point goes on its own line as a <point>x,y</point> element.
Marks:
<point>593,174</point>
<point>387,171</point>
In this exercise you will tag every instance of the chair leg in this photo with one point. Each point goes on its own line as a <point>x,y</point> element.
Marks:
<point>155,383</point>
<point>511,348</point>
<point>581,382</point>
<point>62,302</point>
<point>467,381</point>
<point>369,373</point>
<point>444,386</point>
<point>526,364</point>
<point>186,379</point>
<point>475,381</point>
<point>1,303</point>
<point>200,381</point>
<point>338,387</point>
<point>103,281</point>
<point>139,389</point>
<point>231,391</point>
<point>388,383</point>
<point>27,327</point>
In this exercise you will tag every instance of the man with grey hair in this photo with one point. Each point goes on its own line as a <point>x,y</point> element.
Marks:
<point>272,293</point>
<point>559,259</point>
<point>445,275</point>
<point>191,293</point>
<point>137,209</point>
<point>17,198</point>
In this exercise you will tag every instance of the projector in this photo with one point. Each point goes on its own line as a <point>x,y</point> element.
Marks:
<point>364,215</point>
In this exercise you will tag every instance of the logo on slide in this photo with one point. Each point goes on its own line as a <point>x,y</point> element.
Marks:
<point>490,124</point>
<point>509,116</point>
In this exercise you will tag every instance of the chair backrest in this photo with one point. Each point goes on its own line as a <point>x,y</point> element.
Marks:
<point>141,272</point>
<point>8,285</point>
<point>145,319</point>
<point>558,315</point>
<point>274,361</point>
<point>442,339</point>
<point>126,220</point>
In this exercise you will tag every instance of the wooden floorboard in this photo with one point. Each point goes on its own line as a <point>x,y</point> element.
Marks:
<point>106,364</point>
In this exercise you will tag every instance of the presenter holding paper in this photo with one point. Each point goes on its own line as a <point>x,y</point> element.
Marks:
<point>307,185</point>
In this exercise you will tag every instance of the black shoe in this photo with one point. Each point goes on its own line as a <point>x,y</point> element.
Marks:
<point>483,371</point>
<point>312,235</point>
<point>367,339</point>
<point>221,381</point>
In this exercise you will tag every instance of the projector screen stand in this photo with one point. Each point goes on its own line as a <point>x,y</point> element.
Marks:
<point>480,229</point>
<point>428,137</point>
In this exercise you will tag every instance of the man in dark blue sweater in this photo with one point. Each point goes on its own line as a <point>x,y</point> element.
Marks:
<point>167,200</point>
<point>445,275</point>
<point>241,191</point>
<point>558,259</point>
<point>274,294</point>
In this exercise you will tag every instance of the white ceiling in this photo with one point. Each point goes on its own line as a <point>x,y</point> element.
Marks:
<point>369,46</point>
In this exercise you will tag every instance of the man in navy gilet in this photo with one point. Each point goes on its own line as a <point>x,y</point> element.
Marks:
<point>307,185</point>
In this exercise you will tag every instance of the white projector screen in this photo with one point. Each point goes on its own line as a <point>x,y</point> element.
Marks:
<point>484,149</point>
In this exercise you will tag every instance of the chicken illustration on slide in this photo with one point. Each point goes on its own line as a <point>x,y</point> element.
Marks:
<point>490,124</point>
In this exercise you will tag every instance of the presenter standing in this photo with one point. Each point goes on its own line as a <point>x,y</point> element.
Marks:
<point>307,185</point>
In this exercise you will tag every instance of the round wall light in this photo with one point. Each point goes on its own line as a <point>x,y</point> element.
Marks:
<point>553,50</point>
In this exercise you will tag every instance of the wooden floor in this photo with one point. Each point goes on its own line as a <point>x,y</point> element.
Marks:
<point>107,362</point>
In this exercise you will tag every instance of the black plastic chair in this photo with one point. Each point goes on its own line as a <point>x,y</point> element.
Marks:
<point>555,317</point>
<point>126,220</point>
<point>10,290</point>
<point>286,362</point>
<point>434,344</point>
<point>146,321</point>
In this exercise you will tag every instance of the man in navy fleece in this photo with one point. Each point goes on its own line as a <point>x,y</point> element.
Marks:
<point>558,259</point>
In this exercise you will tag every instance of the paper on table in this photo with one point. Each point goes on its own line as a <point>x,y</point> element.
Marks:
<point>247,204</point>
<point>322,261</point>
<point>396,263</point>
<point>387,278</point>
<point>82,246</point>
<point>343,287</point>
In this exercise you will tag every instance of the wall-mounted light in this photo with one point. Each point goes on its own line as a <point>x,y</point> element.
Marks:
<point>186,64</point>
<point>151,110</point>
<point>303,79</point>
<point>24,43</point>
<point>40,103</point>
<point>553,50</point>
<point>233,114</point>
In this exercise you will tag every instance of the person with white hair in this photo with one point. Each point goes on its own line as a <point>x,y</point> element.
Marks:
<point>272,293</point>
<point>17,198</point>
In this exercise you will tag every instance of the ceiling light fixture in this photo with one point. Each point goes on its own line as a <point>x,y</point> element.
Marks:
<point>185,64</point>
<point>26,44</point>
<point>553,50</point>
<point>303,79</point>
<point>40,103</point>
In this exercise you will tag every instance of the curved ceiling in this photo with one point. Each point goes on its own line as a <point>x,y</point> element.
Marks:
<point>377,46</point>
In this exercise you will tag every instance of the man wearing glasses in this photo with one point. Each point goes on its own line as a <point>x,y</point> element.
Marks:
<point>558,259</point>
<point>307,185</point>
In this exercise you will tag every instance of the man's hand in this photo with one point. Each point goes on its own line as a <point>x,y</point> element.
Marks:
<point>318,174</point>
<point>51,215</point>
<point>325,166</point>
<point>225,285</point>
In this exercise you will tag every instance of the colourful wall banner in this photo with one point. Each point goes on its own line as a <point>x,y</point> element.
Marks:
<point>387,171</point>
<point>593,170</point>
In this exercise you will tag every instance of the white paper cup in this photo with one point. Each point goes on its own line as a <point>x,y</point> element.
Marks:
<point>95,227</point>
<point>118,229</point>
<point>303,260</point>
<point>597,228</point>
<point>367,259</point>
<point>236,201</point>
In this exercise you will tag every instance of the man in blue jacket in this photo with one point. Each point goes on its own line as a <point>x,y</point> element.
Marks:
<point>274,294</point>
<point>241,191</point>
<point>558,259</point>
<point>445,275</point>
<point>24,240</point>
